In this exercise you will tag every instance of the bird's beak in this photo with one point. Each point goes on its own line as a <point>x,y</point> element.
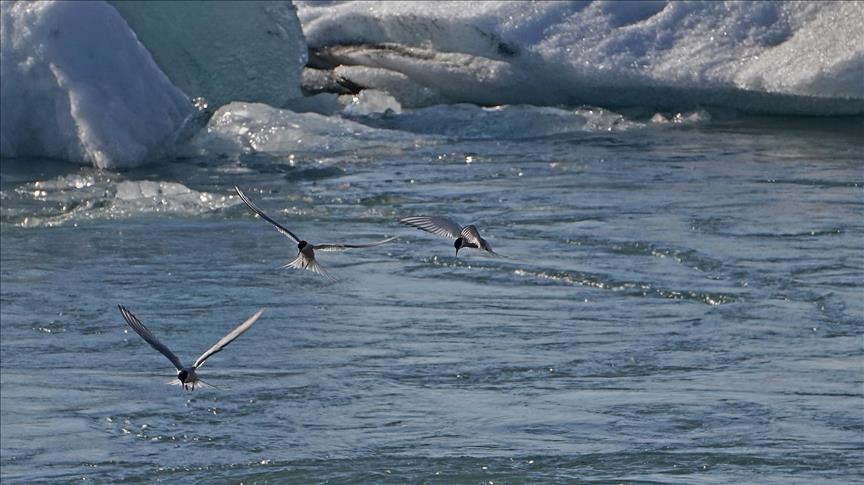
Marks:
<point>457,252</point>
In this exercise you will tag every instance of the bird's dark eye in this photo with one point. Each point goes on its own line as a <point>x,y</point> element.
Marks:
<point>182,375</point>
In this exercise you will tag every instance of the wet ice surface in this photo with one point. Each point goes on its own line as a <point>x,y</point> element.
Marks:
<point>677,305</point>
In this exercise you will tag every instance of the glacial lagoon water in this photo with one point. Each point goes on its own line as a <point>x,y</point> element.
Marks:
<point>678,304</point>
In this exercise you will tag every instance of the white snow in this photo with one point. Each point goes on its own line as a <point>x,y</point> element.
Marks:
<point>774,57</point>
<point>409,93</point>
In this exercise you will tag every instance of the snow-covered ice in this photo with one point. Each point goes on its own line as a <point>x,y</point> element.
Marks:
<point>765,57</point>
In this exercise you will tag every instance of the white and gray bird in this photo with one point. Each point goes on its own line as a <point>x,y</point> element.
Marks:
<point>187,375</point>
<point>305,251</point>
<point>465,237</point>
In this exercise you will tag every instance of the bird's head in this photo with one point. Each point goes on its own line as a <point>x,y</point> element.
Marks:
<point>182,375</point>
<point>458,246</point>
<point>301,245</point>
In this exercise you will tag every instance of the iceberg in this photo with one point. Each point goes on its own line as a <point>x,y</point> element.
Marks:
<point>238,129</point>
<point>510,122</point>
<point>93,194</point>
<point>109,83</point>
<point>78,86</point>
<point>370,101</point>
<point>223,51</point>
<point>798,58</point>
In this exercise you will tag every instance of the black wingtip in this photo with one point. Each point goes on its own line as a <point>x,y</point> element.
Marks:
<point>125,313</point>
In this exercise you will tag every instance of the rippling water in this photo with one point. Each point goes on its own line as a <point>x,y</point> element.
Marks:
<point>677,305</point>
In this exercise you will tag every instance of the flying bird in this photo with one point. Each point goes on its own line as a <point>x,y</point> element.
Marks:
<point>305,251</point>
<point>465,237</point>
<point>187,376</point>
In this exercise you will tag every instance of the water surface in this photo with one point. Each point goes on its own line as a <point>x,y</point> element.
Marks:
<point>676,305</point>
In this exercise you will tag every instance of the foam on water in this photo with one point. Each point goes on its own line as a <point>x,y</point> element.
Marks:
<point>777,57</point>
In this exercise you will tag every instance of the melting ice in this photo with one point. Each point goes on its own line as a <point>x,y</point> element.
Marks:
<point>86,83</point>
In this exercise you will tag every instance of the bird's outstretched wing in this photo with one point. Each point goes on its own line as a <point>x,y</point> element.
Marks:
<point>440,226</point>
<point>345,247</point>
<point>228,338</point>
<point>141,330</point>
<point>262,215</point>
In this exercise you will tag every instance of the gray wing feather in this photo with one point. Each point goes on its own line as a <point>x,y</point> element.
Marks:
<point>472,236</point>
<point>314,267</point>
<point>345,247</point>
<point>141,330</point>
<point>262,215</point>
<point>440,226</point>
<point>228,338</point>
<point>302,262</point>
